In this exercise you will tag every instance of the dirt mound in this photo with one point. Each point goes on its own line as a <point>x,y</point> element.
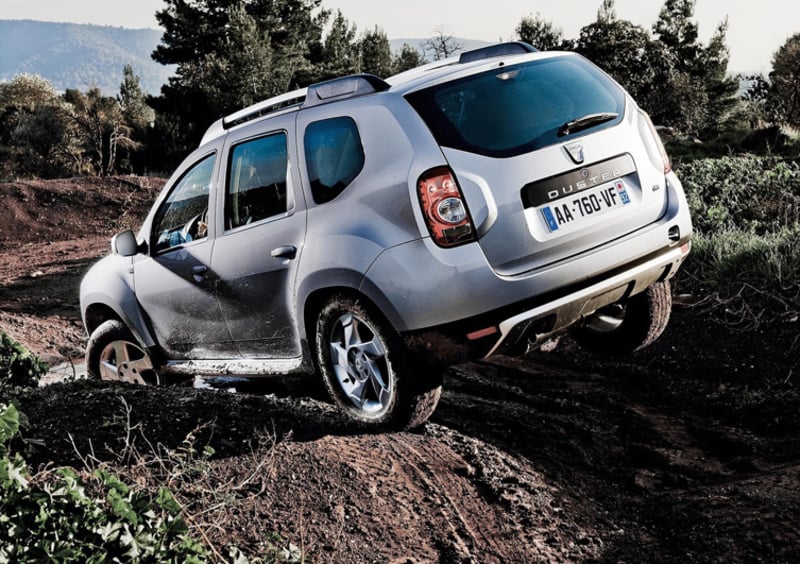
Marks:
<point>64,210</point>
<point>687,451</point>
<point>525,461</point>
<point>50,233</point>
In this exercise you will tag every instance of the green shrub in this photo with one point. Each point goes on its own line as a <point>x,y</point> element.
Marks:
<point>18,367</point>
<point>50,517</point>
<point>746,214</point>
<point>747,193</point>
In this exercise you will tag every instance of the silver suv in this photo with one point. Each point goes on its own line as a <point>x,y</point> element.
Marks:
<point>378,231</point>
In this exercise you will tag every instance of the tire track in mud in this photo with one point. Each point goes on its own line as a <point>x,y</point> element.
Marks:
<point>443,482</point>
<point>432,497</point>
<point>426,486</point>
<point>653,473</point>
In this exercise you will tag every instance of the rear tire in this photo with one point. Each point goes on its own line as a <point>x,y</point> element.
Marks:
<point>367,369</point>
<point>624,328</point>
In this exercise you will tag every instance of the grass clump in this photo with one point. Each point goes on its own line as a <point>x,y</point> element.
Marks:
<point>746,256</point>
<point>157,504</point>
<point>754,277</point>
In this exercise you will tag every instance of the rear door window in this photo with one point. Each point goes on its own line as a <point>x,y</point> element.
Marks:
<point>518,108</point>
<point>256,180</point>
<point>334,156</point>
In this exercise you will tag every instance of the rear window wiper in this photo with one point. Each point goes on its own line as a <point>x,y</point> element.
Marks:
<point>585,122</point>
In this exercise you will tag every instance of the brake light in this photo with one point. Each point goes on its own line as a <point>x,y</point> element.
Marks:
<point>662,156</point>
<point>444,208</point>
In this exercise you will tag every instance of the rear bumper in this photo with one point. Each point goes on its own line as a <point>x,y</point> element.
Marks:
<point>536,324</point>
<point>517,327</point>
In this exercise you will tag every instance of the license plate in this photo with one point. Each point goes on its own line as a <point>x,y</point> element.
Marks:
<point>572,210</point>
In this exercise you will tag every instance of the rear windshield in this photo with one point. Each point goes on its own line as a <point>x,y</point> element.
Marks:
<point>515,109</point>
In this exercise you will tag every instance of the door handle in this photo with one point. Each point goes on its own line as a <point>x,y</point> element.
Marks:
<point>199,273</point>
<point>285,252</point>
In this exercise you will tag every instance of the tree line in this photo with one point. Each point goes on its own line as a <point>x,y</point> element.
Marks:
<point>232,53</point>
<point>49,134</point>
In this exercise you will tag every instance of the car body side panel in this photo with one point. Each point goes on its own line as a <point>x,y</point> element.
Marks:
<point>181,305</point>
<point>109,284</point>
<point>375,205</point>
<point>373,213</point>
<point>256,290</point>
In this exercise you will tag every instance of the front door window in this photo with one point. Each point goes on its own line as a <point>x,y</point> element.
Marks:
<point>183,217</point>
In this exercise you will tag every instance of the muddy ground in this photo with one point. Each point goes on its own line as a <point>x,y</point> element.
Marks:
<point>688,451</point>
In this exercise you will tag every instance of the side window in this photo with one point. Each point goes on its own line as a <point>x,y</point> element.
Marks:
<point>183,216</point>
<point>334,156</point>
<point>256,180</point>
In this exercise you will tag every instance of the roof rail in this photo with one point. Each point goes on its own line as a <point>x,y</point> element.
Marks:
<point>498,50</point>
<point>265,107</point>
<point>415,72</point>
<point>320,93</point>
<point>343,88</point>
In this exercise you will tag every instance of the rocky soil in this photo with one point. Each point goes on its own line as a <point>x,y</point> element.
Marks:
<point>688,451</point>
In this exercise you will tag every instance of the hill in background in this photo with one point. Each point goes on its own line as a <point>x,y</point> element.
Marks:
<point>80,55</point>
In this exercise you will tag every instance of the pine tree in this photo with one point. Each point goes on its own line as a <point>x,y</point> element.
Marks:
<point>620,48</point>
<point>340,55</point>
<point>376,53</point>
<point>678,33</point>
<point>697,95</point>
<point>783,94</point>
<point>229,53</point>
<point>132,100</point>
<point>408,58</point>
<point>139,117</point>
<point>541,33</point>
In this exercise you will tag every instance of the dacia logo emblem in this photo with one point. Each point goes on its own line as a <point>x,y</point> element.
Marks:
<point>575,152</point>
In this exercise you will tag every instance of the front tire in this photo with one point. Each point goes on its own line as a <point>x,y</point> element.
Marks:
<point>624,328</point>
<point>113,354</point>
<point>368,371</point>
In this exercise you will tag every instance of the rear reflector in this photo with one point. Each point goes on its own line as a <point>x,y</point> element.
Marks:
<point>479,334</point>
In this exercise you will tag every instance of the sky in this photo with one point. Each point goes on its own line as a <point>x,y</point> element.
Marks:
<point>757,28</point>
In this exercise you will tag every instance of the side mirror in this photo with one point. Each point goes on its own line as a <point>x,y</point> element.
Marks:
<point>125,244</point>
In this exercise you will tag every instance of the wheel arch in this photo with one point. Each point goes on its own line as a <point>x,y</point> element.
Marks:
<point>107,292</point>
<point>97,314</point>
<point>99,310</point>
<point>318,298</point>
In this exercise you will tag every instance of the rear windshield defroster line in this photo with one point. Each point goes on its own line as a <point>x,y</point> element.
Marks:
<point>515,109</point>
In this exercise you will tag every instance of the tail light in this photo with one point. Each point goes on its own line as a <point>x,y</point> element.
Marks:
<point>444,208</point>
<point>658,154</point>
